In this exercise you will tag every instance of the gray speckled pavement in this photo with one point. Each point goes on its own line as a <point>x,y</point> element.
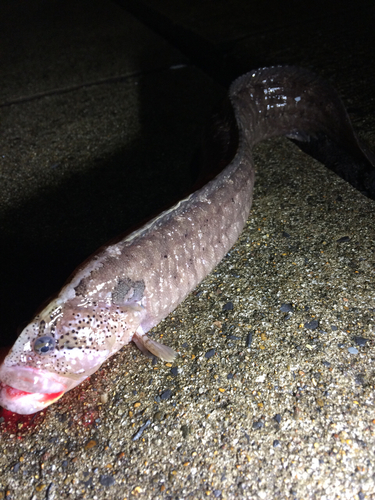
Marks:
<point>272,395</point>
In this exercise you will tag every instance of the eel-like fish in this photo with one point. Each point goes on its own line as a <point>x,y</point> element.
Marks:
<point>128,287</point>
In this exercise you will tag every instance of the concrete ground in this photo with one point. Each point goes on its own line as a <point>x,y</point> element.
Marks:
<point>101,108</point>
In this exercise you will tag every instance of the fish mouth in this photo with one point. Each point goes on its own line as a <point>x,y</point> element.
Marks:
<point>29,379</point>
<point>26,390</point>
<point>25,403</point>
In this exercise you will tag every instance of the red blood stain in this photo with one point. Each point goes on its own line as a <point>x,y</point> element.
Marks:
<point>89,417</point>
<point>14,423</point>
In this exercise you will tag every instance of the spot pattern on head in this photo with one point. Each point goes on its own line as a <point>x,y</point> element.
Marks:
<point>82,336</point>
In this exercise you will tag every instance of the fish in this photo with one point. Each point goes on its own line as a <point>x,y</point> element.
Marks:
<point>129,285</point>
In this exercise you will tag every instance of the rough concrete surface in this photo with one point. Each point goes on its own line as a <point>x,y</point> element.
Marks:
<point>272,395</point>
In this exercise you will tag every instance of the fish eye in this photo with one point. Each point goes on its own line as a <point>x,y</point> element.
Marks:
<point>44,345</point>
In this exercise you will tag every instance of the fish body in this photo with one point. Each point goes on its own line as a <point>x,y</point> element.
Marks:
<point>129,286</point>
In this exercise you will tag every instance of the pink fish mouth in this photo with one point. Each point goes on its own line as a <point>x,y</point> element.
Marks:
<point>26,403</point>
<point>26,390</point>
<point>29,379</point>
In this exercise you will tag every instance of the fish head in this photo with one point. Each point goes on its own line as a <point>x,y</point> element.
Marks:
<point>63,345</point>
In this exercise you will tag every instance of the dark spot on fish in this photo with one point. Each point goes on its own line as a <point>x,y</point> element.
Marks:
<point>127,290</point>
<point>120,291</point>
<point>81,288</point>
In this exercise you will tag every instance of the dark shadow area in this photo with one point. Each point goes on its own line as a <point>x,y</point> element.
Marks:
<point>360,174</point>
<point>226,41</point>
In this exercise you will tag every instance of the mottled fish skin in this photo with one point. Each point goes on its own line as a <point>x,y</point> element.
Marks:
<point>129,286</point>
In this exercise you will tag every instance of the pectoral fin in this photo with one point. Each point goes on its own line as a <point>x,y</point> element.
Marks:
<point>147,346</point>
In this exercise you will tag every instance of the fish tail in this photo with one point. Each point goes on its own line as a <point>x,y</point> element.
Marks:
<point>292,101</point>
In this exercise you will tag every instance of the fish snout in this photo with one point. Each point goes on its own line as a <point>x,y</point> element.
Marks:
<point>25,403</point>
<point>29,379</point>
<point>26,390</point>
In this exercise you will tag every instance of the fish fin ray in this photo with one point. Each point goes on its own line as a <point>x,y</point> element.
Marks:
<point>138,341</point>
<point>147,345</point>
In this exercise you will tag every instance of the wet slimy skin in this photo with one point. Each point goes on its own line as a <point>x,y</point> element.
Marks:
<point>128,287</point>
